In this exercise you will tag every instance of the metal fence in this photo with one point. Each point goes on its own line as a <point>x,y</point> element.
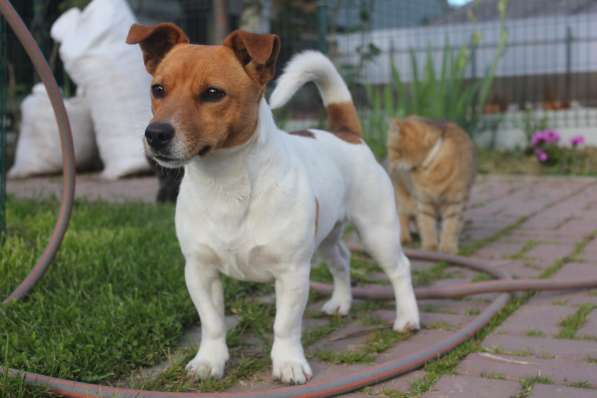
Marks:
<point>549,65</point>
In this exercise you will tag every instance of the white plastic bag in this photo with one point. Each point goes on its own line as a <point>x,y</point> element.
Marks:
<point>113,76</point>
<point>38,148</point>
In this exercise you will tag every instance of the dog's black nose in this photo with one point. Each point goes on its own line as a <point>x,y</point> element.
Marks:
<point>158,135</point>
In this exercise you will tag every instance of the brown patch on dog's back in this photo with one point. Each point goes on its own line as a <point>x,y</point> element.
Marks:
<point>343,121</point>
<point>303,133</point>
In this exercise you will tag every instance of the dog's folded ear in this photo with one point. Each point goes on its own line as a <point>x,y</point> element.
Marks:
<point>155,41</point>
<point>257,53</point>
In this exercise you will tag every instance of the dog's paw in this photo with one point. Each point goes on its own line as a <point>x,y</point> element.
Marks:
<point>407,324</point>
<point>289,363</point>
<point>292,371</point>
<point>204,368</point>
<point>337,306</point>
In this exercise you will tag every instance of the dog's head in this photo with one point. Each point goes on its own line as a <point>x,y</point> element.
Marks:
<point>203,98</point>
<point>410,140</point>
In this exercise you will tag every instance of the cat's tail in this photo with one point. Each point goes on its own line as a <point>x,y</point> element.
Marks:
<point>313,66</point>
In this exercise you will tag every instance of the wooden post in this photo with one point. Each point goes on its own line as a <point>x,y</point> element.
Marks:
<point>221,27</point>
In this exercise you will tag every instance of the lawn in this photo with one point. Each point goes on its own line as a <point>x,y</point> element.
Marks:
<point>579,162</point>
<point>114,299</point>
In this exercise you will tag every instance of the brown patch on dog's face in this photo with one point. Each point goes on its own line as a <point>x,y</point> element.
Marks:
<point>209,94</point>
<point>208,98</point>
<point>410,141</point>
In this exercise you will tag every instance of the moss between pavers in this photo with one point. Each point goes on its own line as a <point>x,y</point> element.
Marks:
<point>570,325</point>
<point>581,384</point>
<point>527,247</point>
<point>535,333</point>
<point>378,342</point>
<point>528,384</point>
<point>493,375</point>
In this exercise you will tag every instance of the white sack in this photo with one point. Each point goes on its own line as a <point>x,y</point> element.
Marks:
<point>38,148</point>
<point>112,74</point>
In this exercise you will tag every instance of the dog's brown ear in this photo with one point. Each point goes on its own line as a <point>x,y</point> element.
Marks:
<point>257,53</point>
<point>156,41</point>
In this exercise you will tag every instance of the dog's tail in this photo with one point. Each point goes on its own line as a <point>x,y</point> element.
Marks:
<point>313,66</point>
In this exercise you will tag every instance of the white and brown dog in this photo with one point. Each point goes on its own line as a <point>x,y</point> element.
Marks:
<point>256,203</point>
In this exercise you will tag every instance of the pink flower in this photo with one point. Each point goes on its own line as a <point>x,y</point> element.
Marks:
<point>551,136</point>
<point>577,140</point>
<point>541,155</point>
<point>538,138</point>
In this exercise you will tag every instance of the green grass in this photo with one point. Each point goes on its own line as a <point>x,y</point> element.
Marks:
<point>527,247</point>
<point>113,301</point>
<point>582,384</point>
<point>535,333</point>
<point>378,342</point>
<point>570,325</point>
<point>528,384</point>
<point>581,162</point>
<point>493,375</point>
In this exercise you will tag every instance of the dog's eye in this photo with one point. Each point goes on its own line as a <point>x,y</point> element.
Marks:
<point>212,94</point>
<point>158,91</point>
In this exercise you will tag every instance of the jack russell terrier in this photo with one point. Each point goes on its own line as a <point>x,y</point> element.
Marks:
<point>256,203</point>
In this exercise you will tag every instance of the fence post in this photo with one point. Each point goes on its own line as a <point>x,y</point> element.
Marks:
<point>221,28</point>
<point>3,89</point>
<point>473,61</point>
<point>322,11</point>
<point>568,78</point>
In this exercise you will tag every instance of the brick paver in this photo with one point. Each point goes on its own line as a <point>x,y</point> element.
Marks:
<point>549,391</point>
<point>517,368</point>
<point>459,386</point>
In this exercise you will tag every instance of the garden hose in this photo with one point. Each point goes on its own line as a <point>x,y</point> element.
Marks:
<point>317,389</point>
<point>66,145</point>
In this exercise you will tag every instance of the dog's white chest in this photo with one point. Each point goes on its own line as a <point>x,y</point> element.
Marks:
<point>242,238</point>
<point>240,249</point>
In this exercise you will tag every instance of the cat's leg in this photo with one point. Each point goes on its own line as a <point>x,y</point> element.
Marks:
<point>451,227</point>
<point>406,209</point>
<point>427,225</point>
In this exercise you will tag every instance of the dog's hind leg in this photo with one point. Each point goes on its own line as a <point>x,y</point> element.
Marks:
<point>374,215</point>
<point>381,240</point>
<point>337,257</point>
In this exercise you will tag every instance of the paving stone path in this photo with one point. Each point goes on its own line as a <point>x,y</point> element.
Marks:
<point>532,227</point>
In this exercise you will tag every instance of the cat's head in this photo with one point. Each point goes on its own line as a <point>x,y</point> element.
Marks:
<point>410,141</point>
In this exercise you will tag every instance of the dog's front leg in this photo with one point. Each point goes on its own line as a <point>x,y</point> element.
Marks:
<point>205,288</point>
<point>288,357</point>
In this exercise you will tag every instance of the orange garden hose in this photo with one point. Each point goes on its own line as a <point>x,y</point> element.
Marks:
<point>327,388</point>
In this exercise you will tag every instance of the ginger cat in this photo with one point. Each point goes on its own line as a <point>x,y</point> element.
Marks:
<point>433,167</point>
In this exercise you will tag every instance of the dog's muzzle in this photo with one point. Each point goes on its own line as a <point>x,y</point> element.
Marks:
<point>159,135</point>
